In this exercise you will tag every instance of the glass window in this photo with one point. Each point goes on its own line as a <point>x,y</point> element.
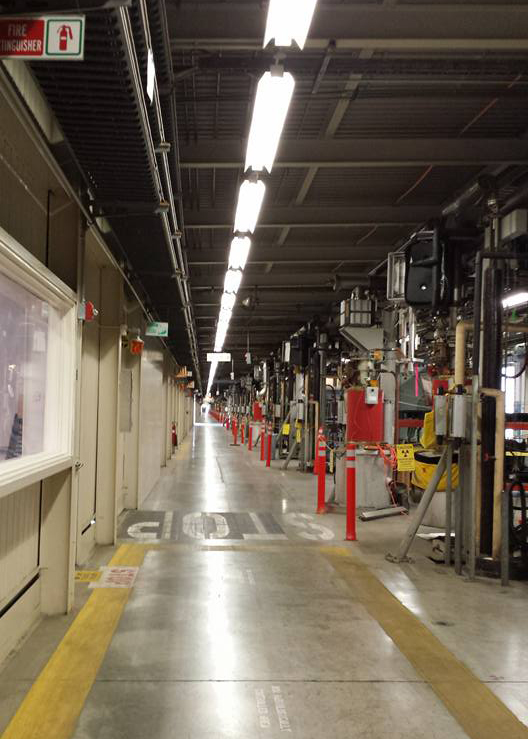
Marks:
<point>24,335</point>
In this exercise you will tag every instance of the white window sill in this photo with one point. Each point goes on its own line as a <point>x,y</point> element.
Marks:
<point>16,474</point>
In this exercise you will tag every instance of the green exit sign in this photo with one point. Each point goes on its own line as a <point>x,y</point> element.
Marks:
<point>158,328</point>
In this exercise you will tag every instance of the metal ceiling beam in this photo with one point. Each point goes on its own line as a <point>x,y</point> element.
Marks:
<point>308,217</point>
<point>284,280</point>
<point>309,254</point>
<point>241,25</point>
<point>337,153</point>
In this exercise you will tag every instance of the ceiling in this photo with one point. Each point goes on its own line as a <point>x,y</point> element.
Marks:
<point>398,107</point>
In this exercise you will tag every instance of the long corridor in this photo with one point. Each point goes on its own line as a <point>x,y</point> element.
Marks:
<point>251,618</point>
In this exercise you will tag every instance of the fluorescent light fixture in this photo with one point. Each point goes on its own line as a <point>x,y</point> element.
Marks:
<point>239,252</point>
<point>274,94</point>
<point>289,21</point>
<point>249,204</point>
<point>228,302</point>
<point>232,280</point>
<point>151,75</point>
<point>513,300</point>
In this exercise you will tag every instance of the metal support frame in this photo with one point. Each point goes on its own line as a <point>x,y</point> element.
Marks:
<point>416,521</point>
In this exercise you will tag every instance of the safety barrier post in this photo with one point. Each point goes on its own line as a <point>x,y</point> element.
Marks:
<point>262,440</point>
<point>242,431</point>
<point>350,491</point>
<point>228,423</point>
<point>235,430</point>
<point>321,472</point>
<point>250,437</point>
<point>316,460</point>
<point>270,439</point>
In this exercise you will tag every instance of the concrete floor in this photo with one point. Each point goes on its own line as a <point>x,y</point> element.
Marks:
<point>264,637</point>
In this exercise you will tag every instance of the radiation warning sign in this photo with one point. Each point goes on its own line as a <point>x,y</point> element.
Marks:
<point>405,455</point>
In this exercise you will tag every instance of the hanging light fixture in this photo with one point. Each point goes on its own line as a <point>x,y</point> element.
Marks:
<point>239,252</point>
<point>289,21</point>
<point>228,302</point>
<point>249,204</point>
<point>274,94</point>
<point>232,280</point>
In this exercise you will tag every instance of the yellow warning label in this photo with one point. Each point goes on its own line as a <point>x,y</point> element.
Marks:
<point>285,429</point>
<point>405,453</point>
<point>87,575</point>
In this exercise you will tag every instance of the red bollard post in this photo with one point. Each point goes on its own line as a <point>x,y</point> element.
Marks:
<point>235,431</point>
<point>351,491</point>
<point>321,473</point>
<point>270,439</point>
<point>316,460</point>
<point>250,437</point>
<point>227,423</point>
<point>262,440</point>
<point>242,431</point>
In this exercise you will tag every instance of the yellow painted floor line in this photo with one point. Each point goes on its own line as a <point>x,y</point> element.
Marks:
<point>476,708</point>
<point>53,704</point>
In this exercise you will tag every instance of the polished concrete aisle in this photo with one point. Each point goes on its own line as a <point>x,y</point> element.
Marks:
<point>250,617</point>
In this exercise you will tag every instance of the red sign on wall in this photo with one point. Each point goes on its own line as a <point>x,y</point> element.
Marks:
<point>47,37</point>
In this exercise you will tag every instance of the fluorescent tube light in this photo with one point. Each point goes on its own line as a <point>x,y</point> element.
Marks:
<point>288,21</point>
<point>249,204</point>
<point>239,252</point>
<point>232,280</point>
<point>228,302</point>
<point>151,75</point>
<point>274,94</point>
<point>513,300</point>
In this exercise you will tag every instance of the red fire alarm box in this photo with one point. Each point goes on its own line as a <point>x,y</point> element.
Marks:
<point>136,346</point>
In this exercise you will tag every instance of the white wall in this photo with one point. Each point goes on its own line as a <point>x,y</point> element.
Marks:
<point>151,431</point>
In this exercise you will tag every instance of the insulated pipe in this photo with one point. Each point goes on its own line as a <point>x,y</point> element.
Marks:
<point>498,477</point>
<point>460,345</point>
<point>460,351</point>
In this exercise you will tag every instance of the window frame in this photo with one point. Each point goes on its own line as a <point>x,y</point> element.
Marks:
<point>20,266</point>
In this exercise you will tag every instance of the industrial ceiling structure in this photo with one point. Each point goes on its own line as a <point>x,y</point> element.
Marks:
<point>399,107</point>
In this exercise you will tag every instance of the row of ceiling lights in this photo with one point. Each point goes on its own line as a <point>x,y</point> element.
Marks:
<point>288,22</point>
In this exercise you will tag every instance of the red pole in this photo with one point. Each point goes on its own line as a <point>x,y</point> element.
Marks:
<point>250,437</point>
<point>321,473</point>
<point>270,437</point>
<point>262,440</point>
<point>242,431</point>
<point>351,491</point>
<point>316,460</point>
<point>235,430</point>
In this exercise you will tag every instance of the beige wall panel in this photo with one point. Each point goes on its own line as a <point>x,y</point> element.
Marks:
<point>151,419</point>
<point>19,539</point>
<point>89,376</point>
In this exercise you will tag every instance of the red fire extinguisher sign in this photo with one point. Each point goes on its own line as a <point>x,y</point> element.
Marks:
<point>65,35</point>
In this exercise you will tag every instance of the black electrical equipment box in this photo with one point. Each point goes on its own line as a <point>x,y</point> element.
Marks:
<point>299,346</point>
<point>428,272</point>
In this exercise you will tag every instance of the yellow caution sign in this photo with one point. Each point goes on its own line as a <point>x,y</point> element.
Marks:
<point>298,432</point>
<point>87,575</point>
<point>285,429</point>
<point>405,454</point>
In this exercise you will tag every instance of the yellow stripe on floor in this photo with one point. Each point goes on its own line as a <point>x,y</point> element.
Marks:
<point>52,706</point>
<point>476,708</point>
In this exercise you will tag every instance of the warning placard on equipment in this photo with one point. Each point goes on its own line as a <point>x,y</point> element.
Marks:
<point>405,454</point>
